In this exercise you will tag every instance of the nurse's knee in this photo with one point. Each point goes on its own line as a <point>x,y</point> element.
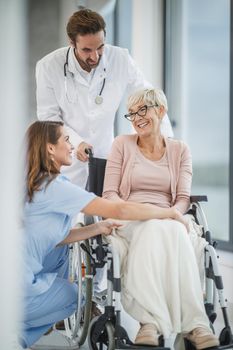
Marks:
<point>68,292</point>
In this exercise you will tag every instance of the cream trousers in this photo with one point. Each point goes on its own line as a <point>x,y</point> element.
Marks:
<point>160,277</point>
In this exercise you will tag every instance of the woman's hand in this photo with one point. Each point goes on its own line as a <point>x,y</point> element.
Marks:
<point>179,217</point>
<point>105,227</point>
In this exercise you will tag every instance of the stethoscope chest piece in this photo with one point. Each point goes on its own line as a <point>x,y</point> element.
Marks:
<point>99,100</point>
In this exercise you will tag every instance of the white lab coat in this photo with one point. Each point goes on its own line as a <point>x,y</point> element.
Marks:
<point>84,119</point>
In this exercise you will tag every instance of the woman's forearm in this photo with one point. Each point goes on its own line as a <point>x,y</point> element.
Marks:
<point>103,227</point>
<point>127,210</point>
<point>81,233</point>
<point>139,211</point>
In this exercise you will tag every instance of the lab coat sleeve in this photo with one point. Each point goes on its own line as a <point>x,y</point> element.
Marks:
<point>47,104</point>
<point>138,82</point>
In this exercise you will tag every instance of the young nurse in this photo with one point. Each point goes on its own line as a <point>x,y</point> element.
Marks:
<point>51,204</point>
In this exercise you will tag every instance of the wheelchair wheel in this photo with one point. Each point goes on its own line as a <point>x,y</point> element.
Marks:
<point>80,272</point>
<point>106,339</point>
<point>225,337</point>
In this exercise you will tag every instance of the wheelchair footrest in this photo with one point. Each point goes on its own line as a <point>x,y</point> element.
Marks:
<point>189,346</point>
<point>119,344</point>
<point>122,341</point>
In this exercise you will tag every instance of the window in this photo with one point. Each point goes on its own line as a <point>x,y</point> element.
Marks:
<point>197,84</point>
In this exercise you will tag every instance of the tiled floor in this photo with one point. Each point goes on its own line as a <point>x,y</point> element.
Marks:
<point>56,339</point>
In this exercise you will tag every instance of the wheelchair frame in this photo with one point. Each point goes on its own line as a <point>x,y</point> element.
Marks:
<point>106,330</point>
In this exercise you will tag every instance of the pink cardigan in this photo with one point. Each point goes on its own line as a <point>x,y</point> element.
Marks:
<point>117,182</point>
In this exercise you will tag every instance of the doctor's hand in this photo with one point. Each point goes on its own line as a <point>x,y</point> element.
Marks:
<point>80,152</point>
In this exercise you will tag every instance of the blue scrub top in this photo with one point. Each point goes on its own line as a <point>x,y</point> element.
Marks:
<point>47,221</point>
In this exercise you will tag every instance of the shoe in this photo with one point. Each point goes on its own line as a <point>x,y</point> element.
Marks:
<point>147,335</point>
<point>95,311</point>
<point>49,331</point>
<point>202,338</point>
<point>60,325</point>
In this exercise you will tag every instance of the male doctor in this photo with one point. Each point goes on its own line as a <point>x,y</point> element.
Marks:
<point>83,85</point>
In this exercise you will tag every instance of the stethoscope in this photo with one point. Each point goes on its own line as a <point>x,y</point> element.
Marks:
<point>99,98</point>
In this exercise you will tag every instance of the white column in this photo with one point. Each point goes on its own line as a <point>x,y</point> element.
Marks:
<point>67,8</point>
<point>13,61</point>
<point>147,39</point>
<point>176,65</point>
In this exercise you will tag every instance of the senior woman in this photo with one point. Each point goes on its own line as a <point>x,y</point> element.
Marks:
<point>161,285</point>
<point>51,203</point>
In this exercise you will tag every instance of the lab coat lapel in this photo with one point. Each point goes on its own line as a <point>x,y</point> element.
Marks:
<point>73,69</point>
<point>100,73</point>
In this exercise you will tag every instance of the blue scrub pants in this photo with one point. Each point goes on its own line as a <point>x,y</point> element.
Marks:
<point>57,303</point>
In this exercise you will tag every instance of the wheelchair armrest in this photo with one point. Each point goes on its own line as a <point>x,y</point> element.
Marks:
<point>195,199</point>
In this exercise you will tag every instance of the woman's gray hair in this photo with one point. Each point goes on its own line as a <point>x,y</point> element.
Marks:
<point>148,97</point>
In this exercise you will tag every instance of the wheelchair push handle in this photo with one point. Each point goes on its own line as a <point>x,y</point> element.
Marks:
<point>89,152</point>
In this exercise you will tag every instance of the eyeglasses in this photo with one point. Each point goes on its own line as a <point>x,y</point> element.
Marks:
<point>141,112</point>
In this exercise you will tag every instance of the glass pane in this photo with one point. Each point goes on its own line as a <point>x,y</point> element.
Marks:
<point>204,106</point>
<point>208,50</point>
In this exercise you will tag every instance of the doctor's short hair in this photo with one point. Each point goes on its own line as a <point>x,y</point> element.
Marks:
<point>84,22</point>
<point>148,97</point>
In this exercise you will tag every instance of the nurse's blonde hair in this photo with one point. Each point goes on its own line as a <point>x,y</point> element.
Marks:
<point>148,97</point>
<point>40,166</point>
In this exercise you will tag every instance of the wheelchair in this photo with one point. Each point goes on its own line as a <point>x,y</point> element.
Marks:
<point>106,331</point>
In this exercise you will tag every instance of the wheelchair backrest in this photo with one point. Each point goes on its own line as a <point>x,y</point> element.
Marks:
<point>96,169</point>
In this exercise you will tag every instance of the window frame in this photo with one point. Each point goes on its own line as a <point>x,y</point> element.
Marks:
<point>169,11</point>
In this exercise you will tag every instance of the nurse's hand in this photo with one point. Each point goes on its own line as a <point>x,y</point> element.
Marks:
<point>80,152</point>
<point>105,227</point>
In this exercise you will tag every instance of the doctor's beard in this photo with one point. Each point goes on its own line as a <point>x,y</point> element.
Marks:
<point>89,63</point>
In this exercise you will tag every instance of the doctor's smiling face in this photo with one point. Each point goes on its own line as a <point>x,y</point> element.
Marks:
<point>89,49</point>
